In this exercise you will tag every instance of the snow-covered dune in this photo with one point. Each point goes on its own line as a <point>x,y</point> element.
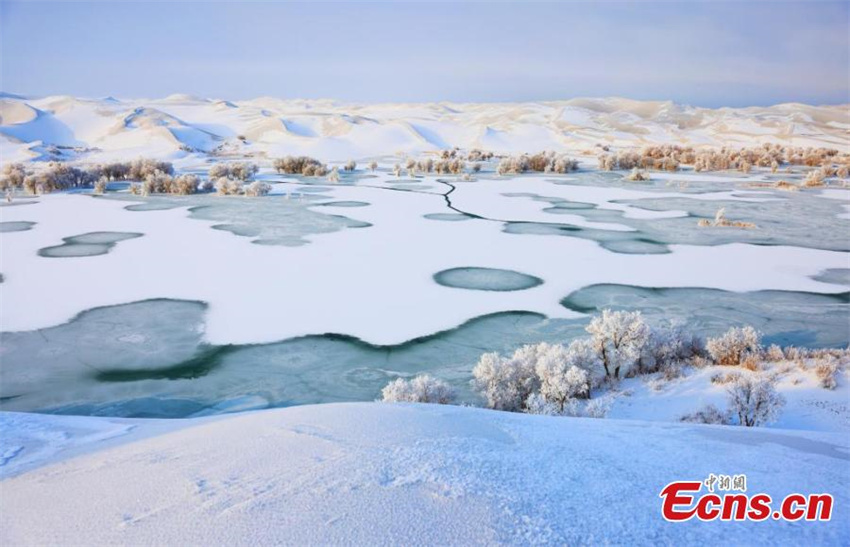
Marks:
<point>332,130</point>
<point>380,474</point>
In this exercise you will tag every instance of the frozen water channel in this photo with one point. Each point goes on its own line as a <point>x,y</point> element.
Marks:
<point>180,306</point>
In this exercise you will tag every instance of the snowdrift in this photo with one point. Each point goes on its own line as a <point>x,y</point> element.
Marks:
<point>381,474</point>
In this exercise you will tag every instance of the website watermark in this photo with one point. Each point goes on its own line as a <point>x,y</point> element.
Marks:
<point>725,498</point>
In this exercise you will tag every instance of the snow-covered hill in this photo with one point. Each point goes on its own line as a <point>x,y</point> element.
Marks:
<point>108,128</point>
<point>382,474</point>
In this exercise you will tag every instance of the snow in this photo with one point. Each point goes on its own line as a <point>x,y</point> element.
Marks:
<point>339,131</point>
<point>327,286</point>
<point>390,474</point>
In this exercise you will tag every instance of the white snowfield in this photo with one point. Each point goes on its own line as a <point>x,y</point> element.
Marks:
<point>400,474</point>
<point>108,128</point>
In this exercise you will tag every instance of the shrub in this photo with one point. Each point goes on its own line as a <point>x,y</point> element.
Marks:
<point>754,400</point>
<point>721,221</point>
<point>826,370</point>
<point>157,182</point>
<point>598,408</point>
<point>140,169</point>
<point>257,188</point>
<point>243,171</point>
<point>300,165</point>
<point>618,339</point>
<point>218,170</point>
<point>421,389</point>
<point>228,187</point>
<point>544,162</point>
<point>709,414</point>
<point>13,176</point>
<point>722,378</point>
<point>185,184</point>
<point>731,348</point>
<point>637,175</point>
<point>774,353</point>
<point>669,157</point>
<point>814,179</point>
<point>333,176</point>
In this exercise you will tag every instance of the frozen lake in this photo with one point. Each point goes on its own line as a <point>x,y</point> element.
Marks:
<point>318,292</point>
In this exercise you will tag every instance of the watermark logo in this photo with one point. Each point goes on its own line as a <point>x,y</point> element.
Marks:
<point>725,498</point>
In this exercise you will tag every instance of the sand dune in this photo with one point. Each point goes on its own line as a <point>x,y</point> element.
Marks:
<point>183,124</point>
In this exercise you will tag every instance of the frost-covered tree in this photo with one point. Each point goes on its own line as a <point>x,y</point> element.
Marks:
<point>243,171</point>
<point>300,165</point>
<point>13,176</point>
<point>186,184</point>
<point>754,400</point>
<point>553,372</point>
<point>140,169</point>
<point>734,346</point>
<point>826,369</point>
<point>421,389</point>
<point>666,346</point>
<point>637,175</point>
<point>373,166</point>
<point>506,383</point>
<point>350,166</point>
<point>218,170</point>
<point>100,186</point>
<point>228,187</point>
<point>618,338</point>
<point>257,188</point>
<point>561,379</point>
<point>333,176</point>
<point>157,182</point>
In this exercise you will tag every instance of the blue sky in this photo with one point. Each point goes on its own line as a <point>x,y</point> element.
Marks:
<point>702,53</point>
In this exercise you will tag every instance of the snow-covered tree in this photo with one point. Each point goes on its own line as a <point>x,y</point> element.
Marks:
<point>373,166</point>
<point>754,400</point>
<point>560,380</point>
<point>734,346</point>
<point>506,383</point>
<point>618,338</point>
<point>667,345</point>
<point>421,389</point>
<point>333,176</point>
<point>350,166</point>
